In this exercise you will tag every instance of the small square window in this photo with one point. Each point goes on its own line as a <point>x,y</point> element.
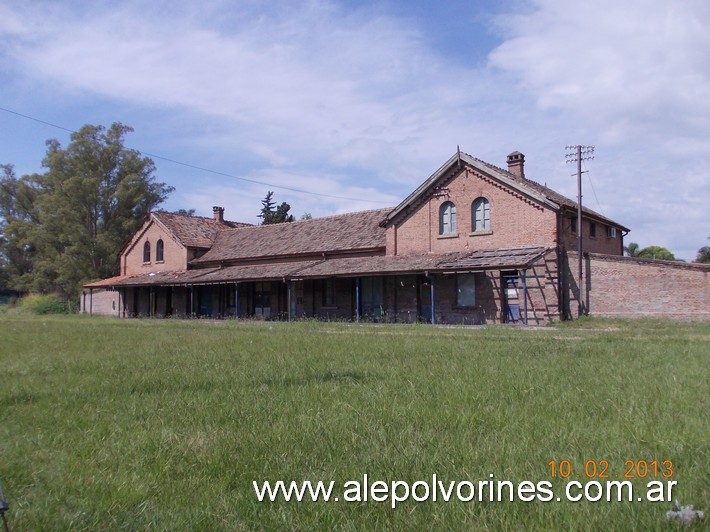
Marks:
<point>611,232</point>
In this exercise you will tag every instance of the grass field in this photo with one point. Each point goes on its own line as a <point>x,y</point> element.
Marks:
<point>135,424</point>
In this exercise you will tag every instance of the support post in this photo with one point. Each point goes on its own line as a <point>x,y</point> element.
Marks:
<point>357,300</point>
<point>91,301</point>
<point>236,301</point>
<point>288,299</point>
<point>151,295</point>
<point>432,316</point>
<point>523,275</point>
<point>192,300</point>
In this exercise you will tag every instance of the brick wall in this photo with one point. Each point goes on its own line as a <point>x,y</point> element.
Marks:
<point>174,254</point>
<point>633,288</point>
<point>515,220</point>
<point>601,243</point>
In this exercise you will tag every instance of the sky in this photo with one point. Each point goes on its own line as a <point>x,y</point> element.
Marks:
<point>357,102</point>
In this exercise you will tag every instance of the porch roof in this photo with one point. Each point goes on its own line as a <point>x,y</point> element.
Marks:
<point>479,260</point>
<point>496,259</point>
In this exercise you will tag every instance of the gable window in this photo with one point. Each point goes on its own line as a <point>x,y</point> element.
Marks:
<point>592,229</point>
<point>611,232</point>
<point>481,215</point>
<point>146,251</point>
<point>466,290</point>
<point>447,219</point>
<point>159,251</point>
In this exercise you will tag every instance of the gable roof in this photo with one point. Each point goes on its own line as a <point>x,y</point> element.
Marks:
<point>351,232</point>
<point>536,191</point>
<point>193,231</point>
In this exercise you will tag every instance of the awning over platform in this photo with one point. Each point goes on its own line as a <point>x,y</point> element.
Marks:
<point>480,260</point>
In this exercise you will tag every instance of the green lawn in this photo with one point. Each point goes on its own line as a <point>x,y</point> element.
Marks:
<point>164,424</point>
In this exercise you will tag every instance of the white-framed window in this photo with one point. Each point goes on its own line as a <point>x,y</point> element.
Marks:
<point>466,290</point>
<point>481,215</point>
<point>159,250</point>
<point>611,232</point>
<point>447,219</point>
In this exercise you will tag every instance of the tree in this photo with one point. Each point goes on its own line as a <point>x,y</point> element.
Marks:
<point>649,252</point>
<point>655,252</point>
<point>632,250</point>
<point>67,226</point>
<point>703,255</point>
<point>271,215</point>
<point>306,216</point>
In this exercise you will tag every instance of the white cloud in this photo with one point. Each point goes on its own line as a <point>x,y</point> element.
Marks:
<point>349,101</point>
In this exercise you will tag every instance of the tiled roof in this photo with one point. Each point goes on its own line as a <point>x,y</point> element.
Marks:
<point>549,193</point>
<point>485,259</point>
<point>531,188</point>
<point>194,231</point>
<point>345,232</point>
<point>495,259</point>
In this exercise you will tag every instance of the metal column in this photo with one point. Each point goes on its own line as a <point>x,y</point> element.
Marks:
<point>523,274</point>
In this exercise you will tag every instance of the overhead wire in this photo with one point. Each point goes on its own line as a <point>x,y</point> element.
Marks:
<point>589,178</point>
<point>208,170</point>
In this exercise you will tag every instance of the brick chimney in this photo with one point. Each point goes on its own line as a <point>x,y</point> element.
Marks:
<point>516,165</point>
<point>218,213</point>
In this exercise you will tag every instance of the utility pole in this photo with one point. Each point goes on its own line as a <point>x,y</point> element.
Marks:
<point>577,155</point>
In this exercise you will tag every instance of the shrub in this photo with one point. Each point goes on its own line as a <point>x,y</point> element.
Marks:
<point>46,304</point>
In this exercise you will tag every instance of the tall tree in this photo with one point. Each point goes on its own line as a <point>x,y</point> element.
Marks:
<point>66,226</point>
<point>703,255</point>
<point>270,214</point>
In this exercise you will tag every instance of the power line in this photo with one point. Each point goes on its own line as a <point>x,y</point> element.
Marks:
<point>203,169</point>
<point>589,178</point>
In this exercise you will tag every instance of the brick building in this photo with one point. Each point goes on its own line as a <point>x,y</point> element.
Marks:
<point>473,244</point>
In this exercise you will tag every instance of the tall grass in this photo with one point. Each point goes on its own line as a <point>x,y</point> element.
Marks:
<point>108,423</point>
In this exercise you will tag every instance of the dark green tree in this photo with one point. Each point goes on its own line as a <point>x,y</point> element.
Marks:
<point>67,226</point>
<point>271,214</point>
<point>632,250</point>
<point>703,255</point>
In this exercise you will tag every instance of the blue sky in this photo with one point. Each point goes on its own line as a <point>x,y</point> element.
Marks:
<point>365,100</point>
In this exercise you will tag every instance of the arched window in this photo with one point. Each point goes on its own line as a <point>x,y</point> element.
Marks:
<point>447,219</point>
<point>481,215</point>
<point>146,251</point>
<point>159,251</point>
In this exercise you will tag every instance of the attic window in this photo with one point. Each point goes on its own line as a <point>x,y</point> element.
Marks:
<point>159,251</point>
<point>146,251</point>
<point>447,218</point>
